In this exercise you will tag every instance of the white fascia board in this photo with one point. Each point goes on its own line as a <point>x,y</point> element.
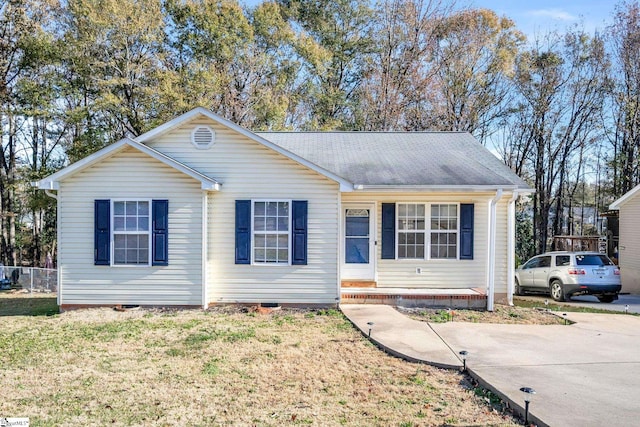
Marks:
<point>625,198</point>
<point>345,186</point>
<point>442,188</point>
<point>52,182</point>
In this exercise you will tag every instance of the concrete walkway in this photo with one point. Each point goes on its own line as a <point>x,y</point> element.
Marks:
<point>585,374</point>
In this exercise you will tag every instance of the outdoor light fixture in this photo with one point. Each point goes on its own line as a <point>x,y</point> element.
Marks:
<point>528,393</point>
<point>464,353</point>
<point>370,327</point>
<point>626,309</point>
<point>565,317</point>
<point>546,304</point>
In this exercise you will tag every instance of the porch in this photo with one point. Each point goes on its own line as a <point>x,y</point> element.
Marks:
<point>410,297</point>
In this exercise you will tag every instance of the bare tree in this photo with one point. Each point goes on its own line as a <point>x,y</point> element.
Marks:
<point>561,83</point>
<point>625,138</point>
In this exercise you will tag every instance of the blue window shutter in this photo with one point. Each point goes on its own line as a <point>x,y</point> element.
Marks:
<point>102,232</point>
<point>466,231</point>
<point>388,231</point>
<point>160,232</point>
<point>243,231</point>
<point>299,243</point>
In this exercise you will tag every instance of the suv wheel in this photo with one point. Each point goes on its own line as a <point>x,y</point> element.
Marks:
<point>557,293</point>
<point>606,298</point>
<point>518,289</point>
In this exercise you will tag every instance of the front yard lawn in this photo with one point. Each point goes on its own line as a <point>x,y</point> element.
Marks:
<point>224,366</point>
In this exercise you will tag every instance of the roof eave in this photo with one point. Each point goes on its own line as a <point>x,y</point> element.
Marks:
<point>615,206</point>
<point>441,188</point>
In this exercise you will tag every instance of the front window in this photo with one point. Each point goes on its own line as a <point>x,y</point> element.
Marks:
<point>271,221</point>
<point>444,231</point>
<point>439,231</point>
<point>131,235</point>
<point>411,231</point>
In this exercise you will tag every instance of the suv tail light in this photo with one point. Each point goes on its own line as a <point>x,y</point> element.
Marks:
<point>616,272</point>
<point>576,271</point>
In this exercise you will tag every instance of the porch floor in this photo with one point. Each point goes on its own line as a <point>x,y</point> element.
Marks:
<point>411,297</point>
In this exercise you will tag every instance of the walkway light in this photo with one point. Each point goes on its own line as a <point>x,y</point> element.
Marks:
<point>370,324</point>
<point>528,393</point>
<point>463,354</point>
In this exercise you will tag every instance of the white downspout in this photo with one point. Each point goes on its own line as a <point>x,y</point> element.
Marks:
<point>58,270</point>
<point>511,246</point>
<point>491,257</point>
<point>204,268</point>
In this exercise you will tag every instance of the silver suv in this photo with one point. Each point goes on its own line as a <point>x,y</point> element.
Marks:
<point>564,274</point>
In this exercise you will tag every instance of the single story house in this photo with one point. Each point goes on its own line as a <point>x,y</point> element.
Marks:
<point>201,211</point>
<point>629,245</point>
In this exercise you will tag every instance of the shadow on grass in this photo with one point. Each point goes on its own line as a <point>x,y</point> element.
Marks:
<point>12,304</point>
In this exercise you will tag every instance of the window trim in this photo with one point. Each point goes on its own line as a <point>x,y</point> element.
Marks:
<point>149,232</point>
<point>427,231</point>
<point>289,233</point>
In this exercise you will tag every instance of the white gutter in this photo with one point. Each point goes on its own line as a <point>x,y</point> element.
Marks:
<point>434,188</point>
<point>511,246</point>
<point>50,194</point>
<point>491,256</point>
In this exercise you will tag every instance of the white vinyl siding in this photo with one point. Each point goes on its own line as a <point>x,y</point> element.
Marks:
<point>249,171</point>
<point>130,175</point>
<point>442,273</point>
<point>629,245</point>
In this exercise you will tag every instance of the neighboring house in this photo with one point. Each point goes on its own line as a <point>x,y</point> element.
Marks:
<point>629,244</point>
<point>201,211</point>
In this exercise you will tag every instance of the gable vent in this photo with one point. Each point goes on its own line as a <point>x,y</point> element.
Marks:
<point>203,137</point>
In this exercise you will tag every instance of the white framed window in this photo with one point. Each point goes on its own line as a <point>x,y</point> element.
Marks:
<point>421,239</point>
<point>411,231</point>
<point>271,231</point>
<point>131,232</point>
<point>444,231</point>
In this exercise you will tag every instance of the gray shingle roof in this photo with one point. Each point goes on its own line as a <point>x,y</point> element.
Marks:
<point>400,158</point>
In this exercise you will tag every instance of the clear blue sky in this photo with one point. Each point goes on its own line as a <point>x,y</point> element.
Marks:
<point>535,17</point>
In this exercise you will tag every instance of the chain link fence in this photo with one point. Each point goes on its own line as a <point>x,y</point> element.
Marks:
<point>30,279</point>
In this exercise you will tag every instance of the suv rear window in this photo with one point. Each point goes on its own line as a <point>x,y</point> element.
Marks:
<point>594,259</point>
<point>563,260</point>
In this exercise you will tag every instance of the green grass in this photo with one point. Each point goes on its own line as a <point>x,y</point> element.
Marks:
<point>216,367</point>
<point>36,305</point>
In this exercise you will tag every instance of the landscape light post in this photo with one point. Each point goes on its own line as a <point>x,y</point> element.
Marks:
<point>370,324</point>
<point>464,353</point>
<point>528,393</point>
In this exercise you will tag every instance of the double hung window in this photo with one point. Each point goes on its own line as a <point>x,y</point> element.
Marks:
<point>444,231</point>
<point>271,225</point>
<point>131,233</point>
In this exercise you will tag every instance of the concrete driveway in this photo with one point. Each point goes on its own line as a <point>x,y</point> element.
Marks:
<point>630,301</point>
<point>585,374</point>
